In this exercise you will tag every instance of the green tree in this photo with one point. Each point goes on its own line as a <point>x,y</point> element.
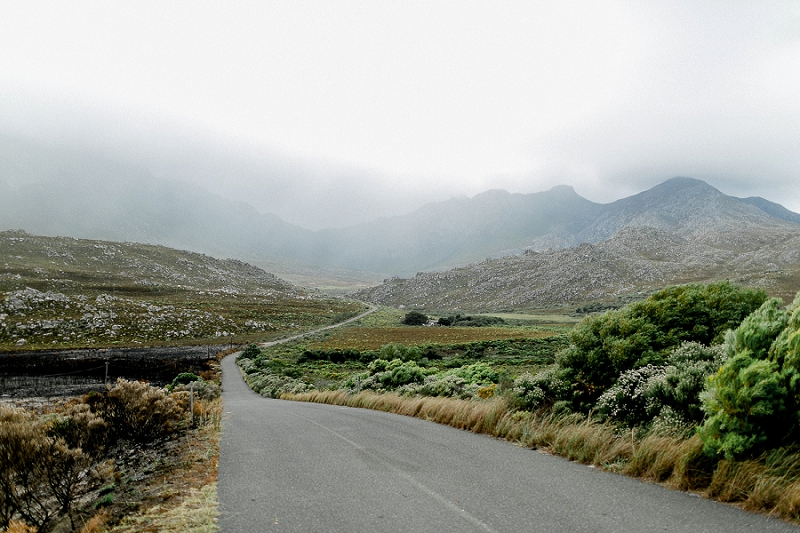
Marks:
<point>603,347</point>
<point>415,318</point>
<point>752,402</point>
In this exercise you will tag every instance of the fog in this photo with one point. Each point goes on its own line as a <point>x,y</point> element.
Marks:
<point>332,114</point>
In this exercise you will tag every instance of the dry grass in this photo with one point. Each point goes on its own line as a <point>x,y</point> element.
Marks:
<point>769,484</point>
<point>196,513</point>
<point>184,498</point>
<point>372,338</point>
<point>19,527</point>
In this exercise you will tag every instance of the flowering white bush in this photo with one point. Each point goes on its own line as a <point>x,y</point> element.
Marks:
<point>544,388</point>
<point>668,395</point>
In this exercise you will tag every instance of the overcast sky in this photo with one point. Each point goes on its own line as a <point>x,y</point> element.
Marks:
<point>332,112</point>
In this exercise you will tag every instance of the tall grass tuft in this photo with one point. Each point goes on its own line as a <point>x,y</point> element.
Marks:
<point>769,484</point>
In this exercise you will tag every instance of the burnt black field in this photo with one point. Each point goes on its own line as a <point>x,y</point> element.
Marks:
<point>75,372</point>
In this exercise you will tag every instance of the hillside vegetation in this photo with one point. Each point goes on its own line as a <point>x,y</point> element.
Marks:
<point>60,292</point>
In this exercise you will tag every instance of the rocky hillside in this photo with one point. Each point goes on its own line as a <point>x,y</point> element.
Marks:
<point>64,261</point>
<point>65,293</point>
<point>635,260</point>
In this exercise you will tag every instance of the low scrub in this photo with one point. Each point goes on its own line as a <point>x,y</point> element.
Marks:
<point>50,462</point>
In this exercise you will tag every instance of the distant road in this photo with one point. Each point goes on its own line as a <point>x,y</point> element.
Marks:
<point>301,467</point>
<point>372,309</point>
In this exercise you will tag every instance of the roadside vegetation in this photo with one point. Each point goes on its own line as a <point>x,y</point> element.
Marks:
<point>695,386</point>
<point>113,462</point>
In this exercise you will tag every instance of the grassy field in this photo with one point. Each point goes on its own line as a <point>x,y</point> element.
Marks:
<point>374,337</point>
<point>335,358</point>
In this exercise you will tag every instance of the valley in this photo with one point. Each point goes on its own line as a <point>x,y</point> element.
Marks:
<point>508,290</point>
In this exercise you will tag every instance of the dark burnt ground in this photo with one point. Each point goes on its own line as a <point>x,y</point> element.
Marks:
<point>76,372</point>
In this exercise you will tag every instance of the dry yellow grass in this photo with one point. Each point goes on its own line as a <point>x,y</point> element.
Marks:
<point>19,527</point>
<point>197,513</point>
<point>375,337</point>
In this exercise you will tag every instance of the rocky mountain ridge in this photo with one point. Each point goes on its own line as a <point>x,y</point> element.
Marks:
<point>636,260</point>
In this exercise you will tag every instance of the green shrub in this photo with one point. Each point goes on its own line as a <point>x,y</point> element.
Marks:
<point>675,395</point>
<point>400,351</point>
<point>746,403</point>
<point>402,374</point>
<point>251,351</point>
<point>752,402</point>
<point>470,321</point>
<point>378,365</point>
<point>337,356</point>
<point>543,389</point>
<point>415,318</point>
<point>603,347</point>
<point>627,400</point>
<point>477,373</point>
<point>272,385</point>
<point>183,378</point>
<point>669,394</point>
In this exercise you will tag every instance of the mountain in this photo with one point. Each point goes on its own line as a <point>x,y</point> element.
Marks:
<point>636,260</point>
<point>454,232</point>
<point>54,190</point>
<point>67,293</point>
<point>92,265</point>
<point>771,208</point>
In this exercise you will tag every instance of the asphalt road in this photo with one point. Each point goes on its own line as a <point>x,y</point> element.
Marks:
<point>300,467</point>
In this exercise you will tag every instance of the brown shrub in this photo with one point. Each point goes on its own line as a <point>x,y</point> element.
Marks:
<point>40,475</point>
<point>138,411</point>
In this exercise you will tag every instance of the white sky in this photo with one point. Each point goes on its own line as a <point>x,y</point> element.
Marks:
<point>331,112</point>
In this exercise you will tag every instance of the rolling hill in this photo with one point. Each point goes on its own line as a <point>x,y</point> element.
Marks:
<point>61,292</point>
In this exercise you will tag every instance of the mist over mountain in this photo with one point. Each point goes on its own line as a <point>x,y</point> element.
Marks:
<point>55,191</point>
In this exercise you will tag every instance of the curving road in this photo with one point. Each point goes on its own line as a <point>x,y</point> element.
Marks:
<point>300,467</point>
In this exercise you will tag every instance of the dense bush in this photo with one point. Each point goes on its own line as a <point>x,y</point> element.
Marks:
<point>752,402</point>
<point>387,375</point>
<point>541,390</point>
<point>470,321</point>
<point>675,395</point>
<point>41,475</point>
<point>415,318</point>
<point>668,394</point>
<point>183,378</point>
<point>273,385</point>
<point>138,411</point>
<point>603,347</point>
<point>251,351</point>
<point>337,356</point>
<point>401,352</point>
